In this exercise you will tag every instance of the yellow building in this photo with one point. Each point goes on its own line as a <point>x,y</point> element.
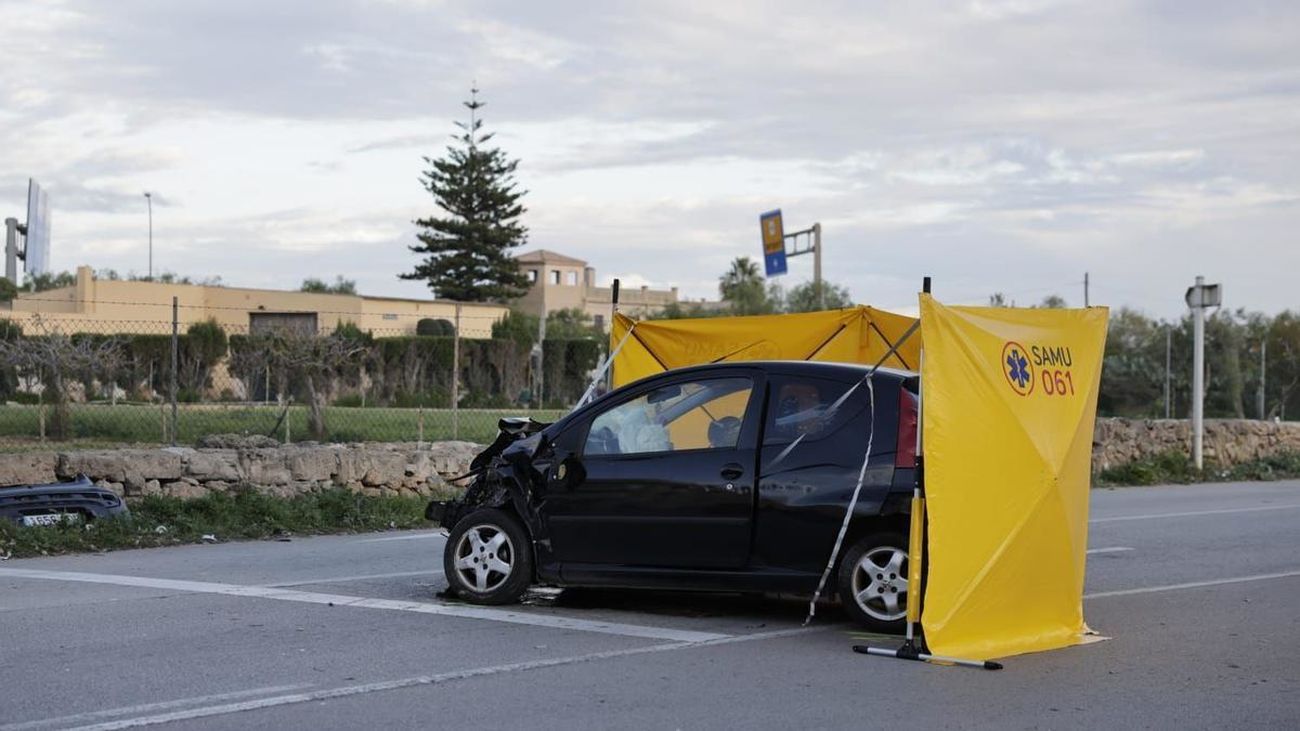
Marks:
<point>559,282</point>
<point>104,305</point>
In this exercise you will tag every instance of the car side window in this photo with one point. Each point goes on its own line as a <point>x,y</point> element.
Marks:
<point>802,407</point>
<point>705,414</point>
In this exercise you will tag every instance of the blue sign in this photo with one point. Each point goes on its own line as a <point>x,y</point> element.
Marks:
<point>774,264</point>
<point>773,243</point>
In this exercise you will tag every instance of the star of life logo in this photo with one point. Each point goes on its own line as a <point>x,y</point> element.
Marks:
<point>1017,368</point>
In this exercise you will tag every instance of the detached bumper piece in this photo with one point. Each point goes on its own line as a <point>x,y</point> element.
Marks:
<point>56,502</point>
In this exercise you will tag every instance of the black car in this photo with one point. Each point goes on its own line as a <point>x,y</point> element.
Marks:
<point>55,502</point>
<point>725,477</point>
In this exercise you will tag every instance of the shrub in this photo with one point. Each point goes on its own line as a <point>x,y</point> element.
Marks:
<point>351,331</point>
<point>428,327</point>
<point>1176,468</point>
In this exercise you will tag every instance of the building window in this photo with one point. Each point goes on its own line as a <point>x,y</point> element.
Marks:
<point>555,276</point>
<point>598,321</point>
<point>532,276</point>
<point>571,279</point>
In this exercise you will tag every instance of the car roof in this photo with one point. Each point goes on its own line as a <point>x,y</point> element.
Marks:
<point>823,369</point>
<point>793,367</point>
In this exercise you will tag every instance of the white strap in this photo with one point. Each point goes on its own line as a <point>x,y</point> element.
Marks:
<point>848,514</point>
<point>600,373</point>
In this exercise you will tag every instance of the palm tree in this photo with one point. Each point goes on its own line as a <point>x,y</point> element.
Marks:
<point>742,275</point>
<point>742,287</point>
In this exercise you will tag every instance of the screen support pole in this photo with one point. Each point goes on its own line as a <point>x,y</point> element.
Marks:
<point>912,642</point>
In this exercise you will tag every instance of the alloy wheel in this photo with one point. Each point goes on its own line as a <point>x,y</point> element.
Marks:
<point>880,583</point>
<point>484,558</point>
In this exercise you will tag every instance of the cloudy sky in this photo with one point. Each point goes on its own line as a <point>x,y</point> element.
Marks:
<point>997,145</point>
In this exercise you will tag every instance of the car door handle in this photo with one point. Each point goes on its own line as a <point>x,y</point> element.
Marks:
<point>732,471</point>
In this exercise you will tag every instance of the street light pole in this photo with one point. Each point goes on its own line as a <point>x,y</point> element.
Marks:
<point>149,199</point>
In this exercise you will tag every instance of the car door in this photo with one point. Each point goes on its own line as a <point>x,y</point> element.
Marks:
<point>810,460</point>
<point>665,477</point>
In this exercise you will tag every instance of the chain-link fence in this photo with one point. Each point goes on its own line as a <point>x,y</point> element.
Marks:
<point>87,382</point>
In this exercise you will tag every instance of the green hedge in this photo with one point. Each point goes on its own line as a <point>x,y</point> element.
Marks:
<point>148,359</point>
<point>402,371</point>
<point>415,370</point>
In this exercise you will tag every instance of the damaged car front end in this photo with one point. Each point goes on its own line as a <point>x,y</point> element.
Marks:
<point>495,528</point>
<point>500,474</point>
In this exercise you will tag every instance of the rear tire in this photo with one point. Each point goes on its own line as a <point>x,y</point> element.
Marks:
<point>872,582</point>
<point>488,558</point>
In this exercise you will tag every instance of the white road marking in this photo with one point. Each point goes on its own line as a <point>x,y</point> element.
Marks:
<point>1225,511</point>
<point>440,678</point>
<point>408,537</point>
<point>1192,585</point>
<point>359,577</point>
<point>341,600</point>
<point>1111,549</point>
<point>149,707</point>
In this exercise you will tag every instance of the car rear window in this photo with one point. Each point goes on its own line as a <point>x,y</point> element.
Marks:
<point>802,407</point>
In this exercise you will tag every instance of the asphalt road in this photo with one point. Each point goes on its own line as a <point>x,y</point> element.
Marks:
<point>1198,587</point>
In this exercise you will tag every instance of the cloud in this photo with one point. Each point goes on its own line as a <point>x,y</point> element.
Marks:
<point>999,145</point>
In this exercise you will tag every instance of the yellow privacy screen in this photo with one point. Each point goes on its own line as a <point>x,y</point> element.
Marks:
<point>1009,398</point>
<point>851,335</point>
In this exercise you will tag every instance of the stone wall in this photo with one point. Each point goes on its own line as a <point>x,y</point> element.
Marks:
<point>378,469</point>
<point>1226,441</point>
<point>374,469</point>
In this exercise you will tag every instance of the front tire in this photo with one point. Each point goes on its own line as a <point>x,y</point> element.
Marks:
<point>488,558</point>
<point>873,582</point>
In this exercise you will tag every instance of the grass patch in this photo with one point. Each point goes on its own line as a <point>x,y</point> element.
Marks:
<point>238,515</point>
<point>1176,468</point>
<point>105,424</point>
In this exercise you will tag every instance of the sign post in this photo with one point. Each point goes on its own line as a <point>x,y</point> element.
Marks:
<point>773,243</point>
<point>1200,297</point>
<point>817,266</point>
<point>805,241</point>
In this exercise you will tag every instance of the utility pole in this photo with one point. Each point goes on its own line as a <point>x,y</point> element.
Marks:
<point>11,250</point>
<point>1169,372</point>
<point>541,359</point>
<point>455,379</point>
<point>1200,297</point>
<point>1085,289</point>
<point>1263,349</point>
<point>148,197</point>
<point>176,354</point>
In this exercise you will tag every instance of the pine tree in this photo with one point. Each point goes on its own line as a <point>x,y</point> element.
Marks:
<point>467,253</point>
